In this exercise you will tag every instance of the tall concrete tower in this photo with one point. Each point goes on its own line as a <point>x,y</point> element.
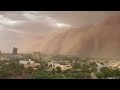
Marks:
<point>14,51</point>
<point>36,55</point>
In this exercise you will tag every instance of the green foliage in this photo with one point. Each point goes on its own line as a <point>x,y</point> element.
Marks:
<point>85,68</point>
<point>58,69</point>
<point>48,75</point>
<point>108,72</point>
<point>116,73</point>
<point>53,71</point>
<point>99,75</point>
<point>66,71</point>
<point>43,65</point>
<point>93,66</point>
<point>81,69</point>
<point>76,74</point>
<point>41,75</point>
<point>5,74</point>
<point>12,69</point>
<point>76,65</point>
<point>83,75</point>
<point>29,70</point>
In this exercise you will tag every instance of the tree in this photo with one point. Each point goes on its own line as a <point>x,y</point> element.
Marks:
<point>99,75</point>
<point>83,75</point>
<point>53,71</point>
<point>116,73</point>
<point>29,70</point>
<point>107,72</point>
<point>5,74</point>
<point>12,66</point>
<point>43,65</point>
<point>12,69</point>
<point>42,74</point>
<point>66,71</point>
<point>19,69</point>
<point>76,65</point>
<point>58,69</point>
<point>85,68</point>
<point>93,67</point>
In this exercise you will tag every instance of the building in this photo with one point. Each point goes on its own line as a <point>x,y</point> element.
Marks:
<point>99,66</point>
<point>62,66</point>
<point>36,55</point>
<point>29,63</point>
<point>26,62</point>
<point>14,51</point>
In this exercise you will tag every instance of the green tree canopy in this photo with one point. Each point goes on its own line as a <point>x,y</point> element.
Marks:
<point>58,69</point>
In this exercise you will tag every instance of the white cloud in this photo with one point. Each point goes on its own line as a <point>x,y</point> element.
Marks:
<point>45,19</point>
<point>34,12</point>
<point>16,31</point>
<point>11,30</point>
<point>62,25</point>
<point>55,23</point>
<point>29,16</point>
<point>7,21</point>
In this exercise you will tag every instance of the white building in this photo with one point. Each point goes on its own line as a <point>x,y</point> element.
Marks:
<point>23,62</point>
<point>99,66</point>
<point>29,63</point>
<point>114,64</point>
<point>62,66</point>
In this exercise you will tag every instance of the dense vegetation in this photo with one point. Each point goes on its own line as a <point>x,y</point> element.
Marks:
<point>81,70</point>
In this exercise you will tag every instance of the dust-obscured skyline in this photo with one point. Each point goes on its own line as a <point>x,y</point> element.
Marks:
<point>16,26</point>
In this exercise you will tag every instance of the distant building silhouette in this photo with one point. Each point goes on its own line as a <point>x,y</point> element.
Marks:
<point>36,55</point>
<point>14,51</point>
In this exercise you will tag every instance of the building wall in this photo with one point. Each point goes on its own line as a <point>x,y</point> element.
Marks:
<point>36,55</point>
<point>14,51</point>
<point>63,67</point>
<point>29,63</point>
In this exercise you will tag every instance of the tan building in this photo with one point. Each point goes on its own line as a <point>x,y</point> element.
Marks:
<point>36,55</point>
<point>62,66</point>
